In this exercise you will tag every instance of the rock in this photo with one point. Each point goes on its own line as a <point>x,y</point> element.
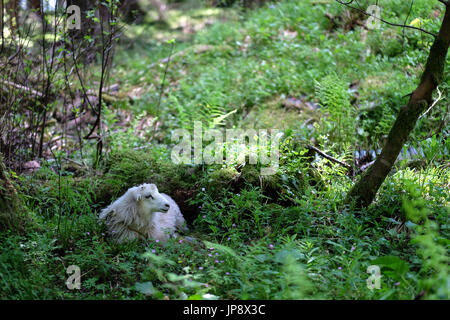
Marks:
<point>31,166</point>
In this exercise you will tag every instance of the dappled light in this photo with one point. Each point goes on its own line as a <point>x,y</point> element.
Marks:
<point>220,149</point>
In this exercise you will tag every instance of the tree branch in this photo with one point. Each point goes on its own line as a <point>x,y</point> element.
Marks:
<point>348,4</point>
<point>326,156</point>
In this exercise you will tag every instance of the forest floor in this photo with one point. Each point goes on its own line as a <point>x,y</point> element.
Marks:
<point>309,70</point>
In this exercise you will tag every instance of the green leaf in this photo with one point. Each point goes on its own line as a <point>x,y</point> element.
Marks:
<point>282,255</point>
<point>146,288</point>
<point>394,263</point>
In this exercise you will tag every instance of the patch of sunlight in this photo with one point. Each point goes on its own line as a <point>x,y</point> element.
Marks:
<point>272,114</point>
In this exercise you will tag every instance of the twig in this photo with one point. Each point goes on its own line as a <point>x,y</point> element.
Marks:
<point>326,156</point>
<point>367,165</point>
<point>434,103</point>
<point>406,20</point>
<point>161,91</point>
<point>76,162</point>
<point>164,78</point>
<point>21,87</point>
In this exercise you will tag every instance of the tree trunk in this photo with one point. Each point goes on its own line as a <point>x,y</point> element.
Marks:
<point>11,217</point>
<point>364,191</point>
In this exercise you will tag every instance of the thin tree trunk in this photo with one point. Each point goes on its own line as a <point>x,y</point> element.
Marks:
<point>10,205</point>
<point>2,25</point>
<point>364,191</point>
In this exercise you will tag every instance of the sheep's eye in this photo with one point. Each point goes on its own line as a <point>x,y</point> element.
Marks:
<point>149,196</point>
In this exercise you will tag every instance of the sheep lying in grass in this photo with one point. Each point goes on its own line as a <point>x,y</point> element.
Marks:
<point>143,212</point>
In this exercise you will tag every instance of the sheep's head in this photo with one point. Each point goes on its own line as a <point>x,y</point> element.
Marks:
<point>149,198</point>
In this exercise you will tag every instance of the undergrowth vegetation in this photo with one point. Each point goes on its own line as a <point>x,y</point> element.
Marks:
<point>285,236</point>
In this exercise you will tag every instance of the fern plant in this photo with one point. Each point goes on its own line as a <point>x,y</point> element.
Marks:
<point>334,99</point>
<point>209,115</point>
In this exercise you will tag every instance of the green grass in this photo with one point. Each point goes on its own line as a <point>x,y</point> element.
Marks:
<point>290,238</point>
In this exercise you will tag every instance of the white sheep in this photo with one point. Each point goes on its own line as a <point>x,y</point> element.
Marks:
<point>142,212</point>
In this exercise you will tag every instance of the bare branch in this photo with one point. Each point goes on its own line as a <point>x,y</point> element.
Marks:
<point>439,98</point>
<point>348,4</point>
<point>326,156</point>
